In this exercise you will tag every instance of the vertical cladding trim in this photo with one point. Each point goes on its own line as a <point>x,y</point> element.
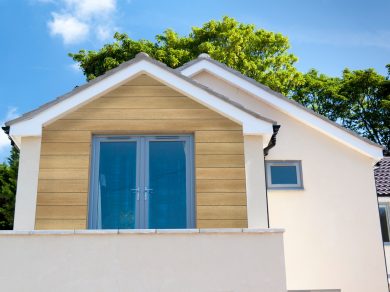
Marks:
<point>256,186</point>
<point>26,194</point>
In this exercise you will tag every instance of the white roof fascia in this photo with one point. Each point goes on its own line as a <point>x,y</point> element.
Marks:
<point>302,115</point>
<point>251,124</point>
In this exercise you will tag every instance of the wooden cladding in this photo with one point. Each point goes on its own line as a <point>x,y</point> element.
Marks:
<point>142,106</point>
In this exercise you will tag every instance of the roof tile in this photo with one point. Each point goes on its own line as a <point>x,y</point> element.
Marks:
<point>382,177</point>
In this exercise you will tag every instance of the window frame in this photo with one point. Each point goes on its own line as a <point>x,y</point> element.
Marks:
<point>298,167</point>
<point>385,205</point>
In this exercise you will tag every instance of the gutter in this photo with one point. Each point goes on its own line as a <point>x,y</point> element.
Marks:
<point>272,141</point>
<point>271,144</point>
<point>6,131</point>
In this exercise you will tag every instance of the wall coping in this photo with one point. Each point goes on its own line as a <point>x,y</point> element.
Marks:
<point>145,231</point>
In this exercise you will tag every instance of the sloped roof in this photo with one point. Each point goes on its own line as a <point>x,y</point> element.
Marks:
<point>273,92</point>
<point>382,177</point>
<point>139,56</point>
<point>350,138</point>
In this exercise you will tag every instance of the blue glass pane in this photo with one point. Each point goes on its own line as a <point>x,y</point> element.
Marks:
<point>283,174</point>
<point>117,179</point>
<point>167,179</point>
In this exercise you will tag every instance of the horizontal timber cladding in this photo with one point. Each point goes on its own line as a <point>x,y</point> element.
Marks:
<point>142,106</point>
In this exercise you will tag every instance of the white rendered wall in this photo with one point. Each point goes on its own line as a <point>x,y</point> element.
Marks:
<point>255,188</point>
<point>26,193</point>
<point>173,261</point>
<point>333,238</point>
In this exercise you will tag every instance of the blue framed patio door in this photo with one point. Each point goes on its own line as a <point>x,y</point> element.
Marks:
<point>142,182</point>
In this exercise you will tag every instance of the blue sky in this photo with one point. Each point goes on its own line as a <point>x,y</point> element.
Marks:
<point>37,35</point>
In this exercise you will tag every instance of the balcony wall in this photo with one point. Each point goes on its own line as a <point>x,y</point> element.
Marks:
<point>143,260</point>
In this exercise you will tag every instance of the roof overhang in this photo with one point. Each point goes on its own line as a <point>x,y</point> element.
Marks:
<point>283,104</point>
<point>31,123</point>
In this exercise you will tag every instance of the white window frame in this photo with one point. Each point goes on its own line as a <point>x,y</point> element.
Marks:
<point>387,210</point>
<point>298,166</point>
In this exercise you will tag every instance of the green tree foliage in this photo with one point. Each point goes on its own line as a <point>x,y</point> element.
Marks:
<point>366,108</point>
<point>359,100</point>
<point>8,178</point>
<point>257,53</point>
<point>320,93</point>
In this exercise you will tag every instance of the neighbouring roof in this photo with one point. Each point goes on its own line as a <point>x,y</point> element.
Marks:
<point>382,177</point>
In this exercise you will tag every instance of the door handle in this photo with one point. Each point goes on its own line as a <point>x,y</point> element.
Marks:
<point>146,192</point>
<point>136,190</point>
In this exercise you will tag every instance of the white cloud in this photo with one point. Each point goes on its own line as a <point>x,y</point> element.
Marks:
<point>68,27</point>
<point>91,8</point>
<point>76,20</point>
<point>5,143</point>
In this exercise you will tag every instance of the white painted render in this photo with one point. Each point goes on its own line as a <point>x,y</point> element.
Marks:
<point>333,238</point>
<point>384,200</point>
<point>256,192</point>
<point>173,261</point>
<point>27,186</point>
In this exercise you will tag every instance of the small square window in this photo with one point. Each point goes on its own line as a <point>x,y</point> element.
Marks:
<point>284,174</point>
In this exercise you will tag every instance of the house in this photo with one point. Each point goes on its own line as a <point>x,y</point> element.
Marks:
<point>382,180</point>
<point>194,179</point>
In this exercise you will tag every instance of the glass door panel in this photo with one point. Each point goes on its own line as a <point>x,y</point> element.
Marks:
<point>141,182</point>
<point>166,187</point>
<point>117,185</point>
